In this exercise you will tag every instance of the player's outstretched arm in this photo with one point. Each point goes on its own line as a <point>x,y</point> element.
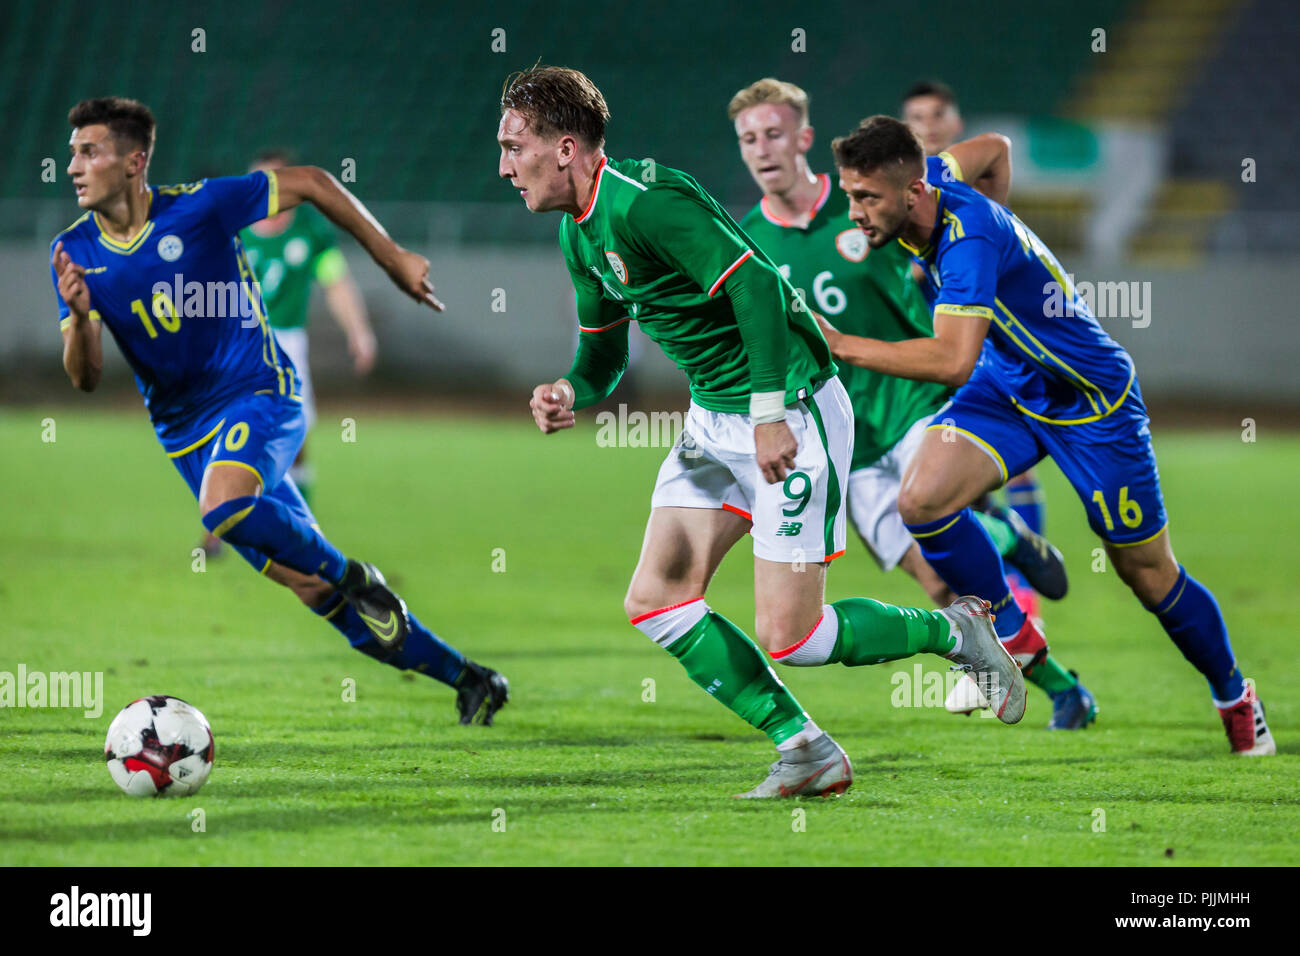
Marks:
<point>948,358</point>
<point>83,353</point>
<point>985,163</point>
<point>348,307</point>
<point>408,270</point>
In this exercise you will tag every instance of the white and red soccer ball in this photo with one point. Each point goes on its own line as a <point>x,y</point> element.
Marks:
<point>159,747</point>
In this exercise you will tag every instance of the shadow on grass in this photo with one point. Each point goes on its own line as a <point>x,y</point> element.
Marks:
<point>533,796</point>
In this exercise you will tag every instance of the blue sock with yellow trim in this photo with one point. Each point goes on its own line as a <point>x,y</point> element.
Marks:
<point>273,529</point>
<point>962,553</point>
<point>1191,617</point>
<point>1026,499</point>
<point>421,651</point>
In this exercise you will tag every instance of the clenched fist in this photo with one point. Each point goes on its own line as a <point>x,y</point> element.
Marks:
<point>552,406</point>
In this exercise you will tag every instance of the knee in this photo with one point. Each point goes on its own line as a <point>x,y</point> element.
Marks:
<point>209,502</point>
<point>651,592</point>
<point>222,484</point>
<point>776,630</point>
<point>916,505</point>
<point>634,605</point>
<point>1150,580</point>
<point>641,599</point>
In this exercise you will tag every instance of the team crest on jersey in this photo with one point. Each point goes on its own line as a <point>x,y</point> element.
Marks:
<point>170,248</point>
<point>616,264</point>
<point>852,244</point>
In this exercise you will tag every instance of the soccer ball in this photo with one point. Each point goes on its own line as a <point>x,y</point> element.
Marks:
<point>159,747</point>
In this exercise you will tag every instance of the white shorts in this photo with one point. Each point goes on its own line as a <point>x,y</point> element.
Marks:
<point>802,519</point>
<point>873,499</point>
<point>294,343</point>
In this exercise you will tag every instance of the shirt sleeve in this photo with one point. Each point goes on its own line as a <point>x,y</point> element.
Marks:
<point>602,354</point>
<point>968,276</point>
<point>943,168</point>
<point>239,201</point>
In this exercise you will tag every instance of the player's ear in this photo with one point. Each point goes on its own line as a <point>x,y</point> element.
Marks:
<point>136,162</point>
<point>566,151</point>
<point>915,189</point>
<point>805,139</point>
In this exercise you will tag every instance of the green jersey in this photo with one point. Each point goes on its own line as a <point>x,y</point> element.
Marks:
<point>860,291</point>
<point>653,246</point>
<point>288,262</point>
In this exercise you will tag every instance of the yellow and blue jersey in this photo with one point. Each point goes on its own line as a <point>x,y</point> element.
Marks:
<point>182,303</point>
<point>1045,349</point>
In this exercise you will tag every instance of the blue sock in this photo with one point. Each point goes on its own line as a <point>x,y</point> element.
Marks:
<point>1025,498</point>
<point>421,651</point>
<point>1191,617</point>
<point>270,527</point>
<point>962,553</point>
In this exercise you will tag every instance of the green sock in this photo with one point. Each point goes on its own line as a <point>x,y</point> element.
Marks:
<point>1003,535</point>
<point>729,666</point>
<point>871,632</point>
<point>1051,676</point>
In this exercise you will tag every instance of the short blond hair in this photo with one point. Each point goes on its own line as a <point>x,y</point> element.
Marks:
<point>770,90</point>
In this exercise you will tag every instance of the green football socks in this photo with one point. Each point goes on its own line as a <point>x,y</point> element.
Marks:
<point>872,632</point>
<point>1051,676</point>
<point>729,666</point>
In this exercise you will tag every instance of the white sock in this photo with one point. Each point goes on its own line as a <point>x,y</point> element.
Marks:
<point>816,646</point>
<point>806,736</point>
<point>668,624</point>
<point>1225,704</point>
<point>955,629</point>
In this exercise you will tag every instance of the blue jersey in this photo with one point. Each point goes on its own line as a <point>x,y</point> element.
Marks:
<point>1045,350</point>
<point>182,303</point>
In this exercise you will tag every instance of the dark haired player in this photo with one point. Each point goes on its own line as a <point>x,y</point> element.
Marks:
<point>1049,384</point>
<point>802,223</point>
<point>767,440</point>
<point>162,267</point>
<point>931,109</point>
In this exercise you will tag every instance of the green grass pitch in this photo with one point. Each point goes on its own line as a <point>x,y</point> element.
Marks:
<point>96,575</point>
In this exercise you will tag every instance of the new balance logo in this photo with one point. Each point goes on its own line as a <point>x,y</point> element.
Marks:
<point>790,528</point>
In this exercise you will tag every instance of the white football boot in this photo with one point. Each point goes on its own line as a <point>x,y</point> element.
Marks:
<point>965,697</point>
<point>818,768</point>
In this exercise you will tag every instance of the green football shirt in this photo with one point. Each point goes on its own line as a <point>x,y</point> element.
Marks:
<point>288,262</point>
<point>653,246</point>
<point>860,291</point>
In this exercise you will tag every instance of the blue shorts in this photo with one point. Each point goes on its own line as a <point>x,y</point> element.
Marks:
<point>263,434</point>
<point>1110,462</point>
